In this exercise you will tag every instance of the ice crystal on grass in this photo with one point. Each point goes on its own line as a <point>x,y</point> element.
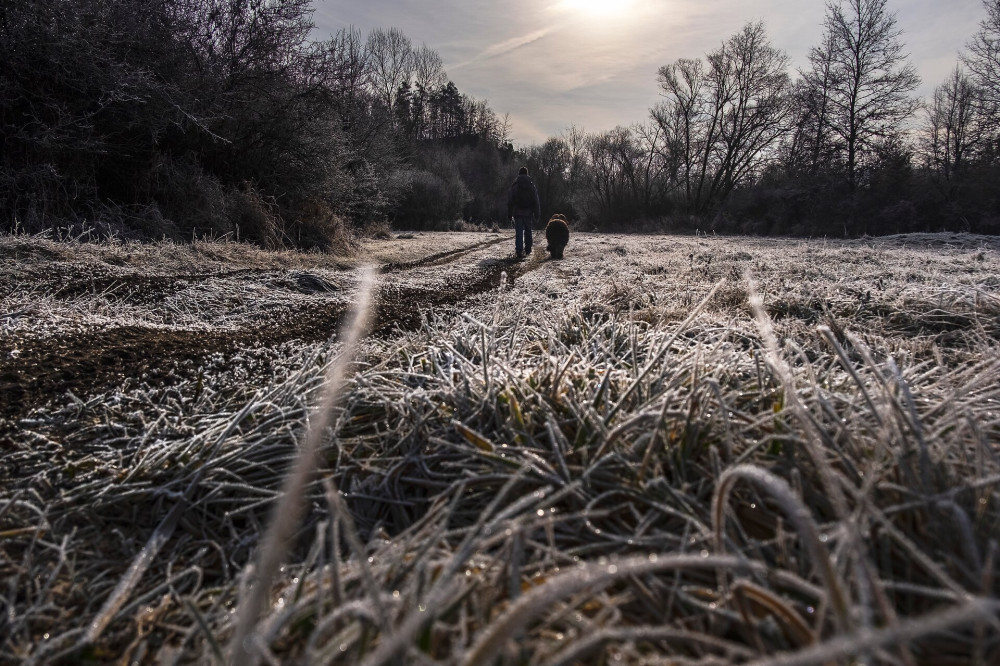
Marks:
<point>665,461</point>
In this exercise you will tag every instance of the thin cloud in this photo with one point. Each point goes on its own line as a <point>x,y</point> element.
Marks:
<point>572,66</point>
<point>505,47</point>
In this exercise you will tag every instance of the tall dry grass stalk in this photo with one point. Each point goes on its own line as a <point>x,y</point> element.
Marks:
<point>288,511</point>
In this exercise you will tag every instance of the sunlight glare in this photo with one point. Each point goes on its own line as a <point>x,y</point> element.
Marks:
<point>601,8</point>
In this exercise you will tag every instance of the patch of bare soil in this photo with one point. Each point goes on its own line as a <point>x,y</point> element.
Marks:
<point>89,362</point>
<point>140,288</point>
<point>85,362</point>
<point>400,307</point>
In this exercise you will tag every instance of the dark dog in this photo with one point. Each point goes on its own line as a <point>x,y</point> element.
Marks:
<point>557,234</point>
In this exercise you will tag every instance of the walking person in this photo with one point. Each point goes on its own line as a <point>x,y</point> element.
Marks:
<point>524,208</point>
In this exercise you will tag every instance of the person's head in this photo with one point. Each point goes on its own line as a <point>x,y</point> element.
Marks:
<point>523,171</point>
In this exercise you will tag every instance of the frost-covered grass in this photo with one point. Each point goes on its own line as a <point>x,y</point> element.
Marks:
<point>660,450</point>
<point>54,288</point>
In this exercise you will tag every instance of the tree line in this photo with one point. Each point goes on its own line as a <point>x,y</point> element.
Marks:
<point>187,118</point>
<point>842,146</point>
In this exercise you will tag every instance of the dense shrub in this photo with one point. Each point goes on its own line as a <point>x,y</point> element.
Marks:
<point>207,119</point>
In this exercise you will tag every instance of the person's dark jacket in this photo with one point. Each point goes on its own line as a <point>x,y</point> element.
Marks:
<point>513,210</point>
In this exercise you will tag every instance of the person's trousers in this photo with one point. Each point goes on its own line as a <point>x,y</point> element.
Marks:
<point>522,233</point>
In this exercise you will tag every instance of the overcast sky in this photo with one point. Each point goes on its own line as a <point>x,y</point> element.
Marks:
<point>555,63</point>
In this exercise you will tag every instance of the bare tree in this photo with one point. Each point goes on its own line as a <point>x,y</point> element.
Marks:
<point>349,66</point>
<point>549,164</point>
<point>504,127</point>
<point>483,121</point>
<point>815,91</point>
<point>575,139</point>
<point>625,173</point>
<point>428,69</point>
<point>751,83</point>
<point>983,57</point>
<point>428,77</point>
<point>391,58</point>
<point>952,131</point>
<point>249,41</point>
<point>871,82</point>
<point>724,121</point>
<point>605,178</point>
<point>679,118</point>
<point>649,180</point>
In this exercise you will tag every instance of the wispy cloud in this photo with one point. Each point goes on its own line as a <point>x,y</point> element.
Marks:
<point>505,47</point>
<point>552,63</point>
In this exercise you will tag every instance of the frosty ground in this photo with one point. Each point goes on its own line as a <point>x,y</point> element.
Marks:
<point>525,449</point>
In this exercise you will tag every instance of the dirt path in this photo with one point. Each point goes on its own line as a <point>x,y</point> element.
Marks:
<point>87,363</point>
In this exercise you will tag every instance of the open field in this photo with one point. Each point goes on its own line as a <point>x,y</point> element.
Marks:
<point>661,450</point>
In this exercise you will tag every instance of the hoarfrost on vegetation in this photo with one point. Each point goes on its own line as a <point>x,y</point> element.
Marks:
<point>608,457</point>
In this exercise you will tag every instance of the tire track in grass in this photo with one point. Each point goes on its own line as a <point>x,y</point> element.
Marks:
<point>86,363</point>
<point>92,361</point>
<point>439,258</point>
<point>400,307</point>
